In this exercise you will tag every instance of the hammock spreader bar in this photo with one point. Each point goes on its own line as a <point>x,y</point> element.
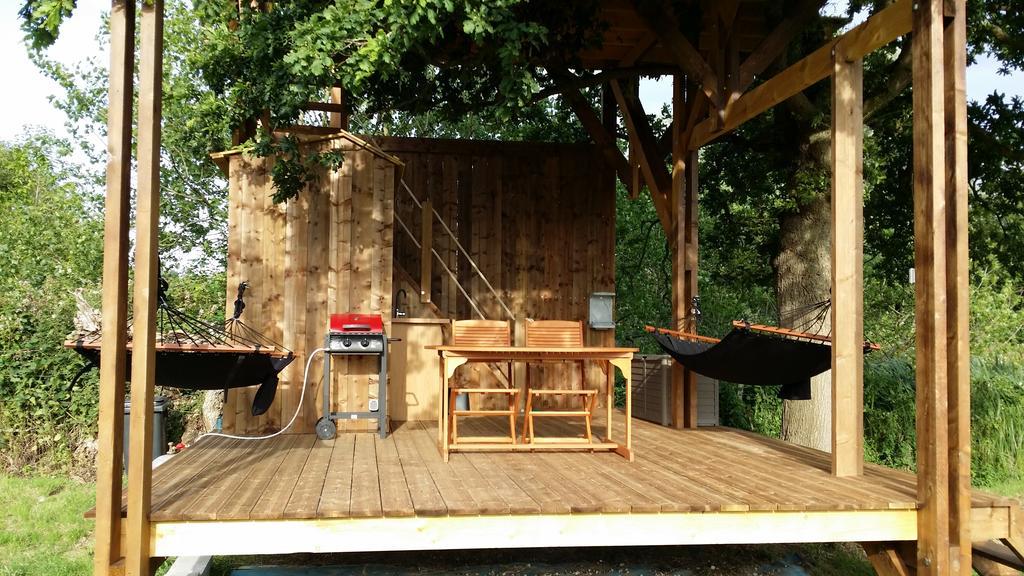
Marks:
<point>751,357</point>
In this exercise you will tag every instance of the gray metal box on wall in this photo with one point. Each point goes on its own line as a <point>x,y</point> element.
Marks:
<point>652,391</point>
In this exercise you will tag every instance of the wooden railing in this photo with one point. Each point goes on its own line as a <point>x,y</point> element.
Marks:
<point>426,246</point>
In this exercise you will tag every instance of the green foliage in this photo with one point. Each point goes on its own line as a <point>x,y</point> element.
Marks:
<point>42,530</point>
<point>450,58</point>
<point>996,168</point>
<point>997,377</point>
<point>642,272</point>
<point>196,122</point>
<point>42,20</point>
<point>51,241</point>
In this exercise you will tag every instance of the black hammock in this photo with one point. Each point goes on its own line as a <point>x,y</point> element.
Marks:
<point>755,355</point>
<point>197,355</point>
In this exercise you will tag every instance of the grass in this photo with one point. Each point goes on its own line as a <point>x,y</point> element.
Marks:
<point>42,530</point>
<point>1014,488</point>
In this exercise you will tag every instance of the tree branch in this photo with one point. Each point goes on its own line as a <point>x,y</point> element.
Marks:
<point>898,78</point>
<point>800,105</point>
<point>978,132</point>
<point>580,82</point>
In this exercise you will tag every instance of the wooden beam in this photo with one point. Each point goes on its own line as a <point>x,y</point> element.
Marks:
<point>1005,559</point>
<point>847,266</point>
<point>698,110</point>
<point>1015,544</point>
<point>645,146</point>
<point>147,222</point>
<point>877,31</point>
<point>109,459</point>
<point>886,559</point>
<point>642,46</point>
<point>665,141</point>
<point>325,107</point>
<point>338,116</point>
<point>310,130</point>
<point>593,125</point>
<point>242,537</point>
<point>957,298</point>
<point>774,43</point>
<point>992,523</point>
<point>930,290</point>
<point>661,19</point>
<point>426,250</point>
<point>984,564</point>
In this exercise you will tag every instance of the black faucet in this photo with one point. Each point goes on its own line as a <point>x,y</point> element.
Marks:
<point>401,298</point>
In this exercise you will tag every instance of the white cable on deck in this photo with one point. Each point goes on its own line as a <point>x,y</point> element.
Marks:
<point>298,408</point>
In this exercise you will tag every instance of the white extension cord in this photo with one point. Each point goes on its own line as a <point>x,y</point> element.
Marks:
<point>298,408</point>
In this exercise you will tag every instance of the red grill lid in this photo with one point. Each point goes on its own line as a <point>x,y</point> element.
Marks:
<point>355,322</point>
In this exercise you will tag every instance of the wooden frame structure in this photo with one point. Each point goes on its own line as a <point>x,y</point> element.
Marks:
<point>711,96</point>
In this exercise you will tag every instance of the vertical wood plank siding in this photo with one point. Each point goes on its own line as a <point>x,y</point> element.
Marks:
<point>537,219</point>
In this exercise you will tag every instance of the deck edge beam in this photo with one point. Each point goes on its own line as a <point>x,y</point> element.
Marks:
<point>246,537</point>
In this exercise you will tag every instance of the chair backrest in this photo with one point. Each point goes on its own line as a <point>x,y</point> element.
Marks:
<point>554,333</point>
<point>481,333</point>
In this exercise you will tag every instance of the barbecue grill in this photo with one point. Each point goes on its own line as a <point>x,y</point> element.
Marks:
<point>355,335</point>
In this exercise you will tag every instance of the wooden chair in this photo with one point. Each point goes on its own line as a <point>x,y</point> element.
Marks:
<point>557,334</point>
<point>483,333</point>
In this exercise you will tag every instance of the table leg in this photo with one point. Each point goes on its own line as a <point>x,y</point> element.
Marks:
<point>609,407</point>
<point>442,408</point>
<point>448,367</point>
<point>624,366</point>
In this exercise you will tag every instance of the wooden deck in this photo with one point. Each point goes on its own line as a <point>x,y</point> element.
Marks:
<point>708,479</point>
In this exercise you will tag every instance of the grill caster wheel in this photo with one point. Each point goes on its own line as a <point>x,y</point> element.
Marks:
<point>326,429</point>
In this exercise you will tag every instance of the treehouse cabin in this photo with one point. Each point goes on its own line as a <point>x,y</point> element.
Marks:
<point>484,258</point>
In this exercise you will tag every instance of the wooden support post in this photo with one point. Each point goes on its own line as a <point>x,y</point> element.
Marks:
<point>137,561</point>
<point>930,289</point>
<point>682,239</point>
<point>426,250</point>
<point>609,112</point>
<point>847,266</point>
<point>957,301</point>
<point>885,558</point>
<point>338,119</point>
<point>689,225</point>
<point>115,288</point>
<point>677,247</point>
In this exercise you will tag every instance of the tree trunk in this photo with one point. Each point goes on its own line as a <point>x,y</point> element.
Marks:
<point>803,278</point>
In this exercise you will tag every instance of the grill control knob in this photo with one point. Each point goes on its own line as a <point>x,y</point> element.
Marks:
<point>346,342</point>
<point>365,342</point>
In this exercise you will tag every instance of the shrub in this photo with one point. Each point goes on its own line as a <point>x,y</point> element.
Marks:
<point>51,240</point>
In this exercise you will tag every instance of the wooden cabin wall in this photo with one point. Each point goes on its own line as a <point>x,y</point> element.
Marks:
<point>539,221</point>
<point>329,250</point>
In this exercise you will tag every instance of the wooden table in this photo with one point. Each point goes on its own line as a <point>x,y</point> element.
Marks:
<point>451,357</point>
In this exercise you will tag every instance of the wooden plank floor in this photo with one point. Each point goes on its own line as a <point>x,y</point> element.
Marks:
<point>360,475</point>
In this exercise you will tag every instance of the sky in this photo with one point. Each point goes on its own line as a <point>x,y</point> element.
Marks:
<point>26,99</point>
